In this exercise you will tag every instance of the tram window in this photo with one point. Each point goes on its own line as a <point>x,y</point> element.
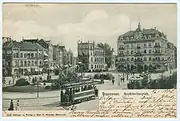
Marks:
<point>90,87</point>
<point>83,88</point>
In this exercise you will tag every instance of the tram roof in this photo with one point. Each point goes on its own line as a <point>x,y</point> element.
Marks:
<point>71,85</point>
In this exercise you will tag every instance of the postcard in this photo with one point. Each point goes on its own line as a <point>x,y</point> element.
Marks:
<point>90,60</point>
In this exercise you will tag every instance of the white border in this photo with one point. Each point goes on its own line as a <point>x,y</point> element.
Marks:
<point>95,1</point>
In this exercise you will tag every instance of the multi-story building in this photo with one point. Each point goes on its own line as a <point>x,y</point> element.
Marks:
<point>58,51</point>
<point>91,56</point>
<point>23,58</point>
<point>145,49</point>
<point>70,57</point>
<point>113,62</point>
<point>49,50</point>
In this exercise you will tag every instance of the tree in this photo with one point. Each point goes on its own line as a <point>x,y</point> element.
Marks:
<point>108,52</point>
<point>21,82</point>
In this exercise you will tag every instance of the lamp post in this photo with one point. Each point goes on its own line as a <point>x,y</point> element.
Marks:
<point>80,68</point>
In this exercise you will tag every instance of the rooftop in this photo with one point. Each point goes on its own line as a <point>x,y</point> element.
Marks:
<point>142,31</point>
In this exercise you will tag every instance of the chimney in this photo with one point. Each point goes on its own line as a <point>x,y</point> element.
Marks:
<point>155,28</point>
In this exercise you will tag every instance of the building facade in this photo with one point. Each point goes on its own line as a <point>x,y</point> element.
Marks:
<point>70,57</point>
<point>58,54</point>
<point>48,46</point>
<point>23,58</point>
<point>91,56</point>
<point>145,50</point>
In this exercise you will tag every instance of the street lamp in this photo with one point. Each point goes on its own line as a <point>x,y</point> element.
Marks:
<point>80,68</point>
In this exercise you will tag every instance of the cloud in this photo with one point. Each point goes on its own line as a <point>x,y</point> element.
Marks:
<point>95,15</point>
<point>26,29</point>
<point>96,23</point>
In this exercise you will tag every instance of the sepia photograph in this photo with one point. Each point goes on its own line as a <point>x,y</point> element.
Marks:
<point>60,56</point>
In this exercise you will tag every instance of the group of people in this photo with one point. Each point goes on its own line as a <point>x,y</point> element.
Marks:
<point>12,108</point>
<point>122,79</point>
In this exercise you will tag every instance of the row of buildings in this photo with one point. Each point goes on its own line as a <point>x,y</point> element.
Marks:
<point>33,56</point>
<point>145,50</point>
<point>137,50</point>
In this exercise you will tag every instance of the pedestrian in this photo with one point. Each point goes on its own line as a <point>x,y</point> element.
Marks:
<point>113,81</point>
<point>11,108</point>
<point>121,80</point>
<point>17,105</point>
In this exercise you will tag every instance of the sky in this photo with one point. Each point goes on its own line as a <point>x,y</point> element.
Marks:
<point>68,23</point>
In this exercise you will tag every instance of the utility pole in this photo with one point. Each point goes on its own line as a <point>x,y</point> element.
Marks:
<point>38,73</point>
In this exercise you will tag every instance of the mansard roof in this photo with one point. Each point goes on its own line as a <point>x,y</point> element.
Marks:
<point>144,31</point>
<point>31,46</point>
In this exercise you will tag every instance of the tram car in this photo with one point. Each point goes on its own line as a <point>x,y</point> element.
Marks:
<point>135,82</point>
<point>78,92</point>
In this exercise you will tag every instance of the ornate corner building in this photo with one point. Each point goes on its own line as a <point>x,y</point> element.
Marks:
<point>91,56</point>
<point>145,50</point>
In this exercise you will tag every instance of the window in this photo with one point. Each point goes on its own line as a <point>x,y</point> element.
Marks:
<point>25,55</point>
<point>21,55</point>
<point>36,63</point>
<point>127,51</point>
<point>91,66</point>
<point>32,63</point>
<point>91,59</point>
<point>32,55</point>
<point>149,51</point>
<point>29,63</point>
<point>149,44</point>
<point>144,45</point>
<point>145,58</point>
<point>131,52</point>
<point>17,55</point>
<point>132,59</point>
<point>21,63</point>
<point>28,55</point>
<point>149,58</point>
<point>127,59</point>
<point>25,63</point>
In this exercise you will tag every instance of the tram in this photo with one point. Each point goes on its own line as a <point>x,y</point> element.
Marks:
<point>78,92</point>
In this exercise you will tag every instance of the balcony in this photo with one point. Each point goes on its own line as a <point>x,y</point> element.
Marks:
<point>121,54</point>
<point>157,46</point>
<point>138,61</point>
<point>138,54</point>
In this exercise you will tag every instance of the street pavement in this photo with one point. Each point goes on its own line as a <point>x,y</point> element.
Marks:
<point>50,100</point>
